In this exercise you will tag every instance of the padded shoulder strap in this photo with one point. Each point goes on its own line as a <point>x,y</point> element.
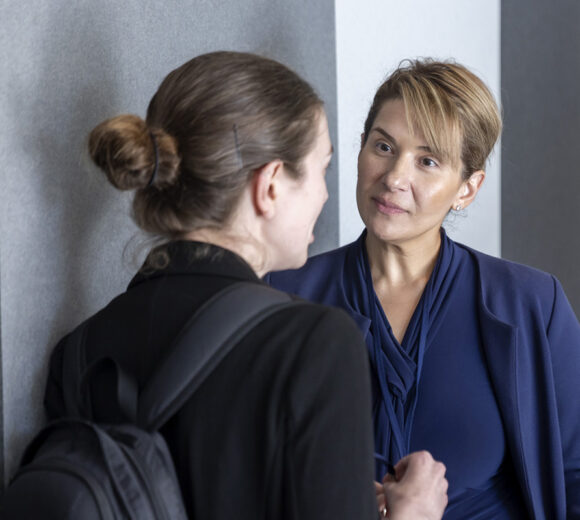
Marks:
<point>208,337</point>
<point>72,370</point>
<point>77,377</point>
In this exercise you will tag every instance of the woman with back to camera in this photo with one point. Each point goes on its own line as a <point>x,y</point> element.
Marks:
<point>229,172</point>
<point>473,358</point>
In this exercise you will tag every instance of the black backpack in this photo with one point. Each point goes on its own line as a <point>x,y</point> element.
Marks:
<point>77,469</point>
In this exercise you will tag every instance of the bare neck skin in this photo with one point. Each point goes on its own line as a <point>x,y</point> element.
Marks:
<point>243,246</point>
<point>400,273</point>
<point>243,235</point>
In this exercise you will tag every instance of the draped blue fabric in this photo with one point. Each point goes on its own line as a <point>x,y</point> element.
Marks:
<point>397,367</point>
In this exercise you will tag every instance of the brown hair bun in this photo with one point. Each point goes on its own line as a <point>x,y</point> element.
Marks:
<point>125,149</point>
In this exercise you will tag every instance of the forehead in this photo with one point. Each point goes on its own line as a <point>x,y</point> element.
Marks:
<point>393,115</point>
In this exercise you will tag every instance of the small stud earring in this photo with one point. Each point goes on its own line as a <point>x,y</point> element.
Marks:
<point>459,207</point>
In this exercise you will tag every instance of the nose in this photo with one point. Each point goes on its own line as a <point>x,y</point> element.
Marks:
<point>397,174</point>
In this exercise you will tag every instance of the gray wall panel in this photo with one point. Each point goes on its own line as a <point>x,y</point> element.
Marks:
<point>540,169</point>
<point>67,245</point>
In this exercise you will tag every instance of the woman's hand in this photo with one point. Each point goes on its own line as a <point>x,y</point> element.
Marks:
<point>418,490</point>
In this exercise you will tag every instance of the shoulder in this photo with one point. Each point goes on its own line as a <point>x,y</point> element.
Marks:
<point>510,286</point>
<point>316,319</point>
<point>320,273</point>
<point>327,353</point>
<point>512,275</point>
<point>317,331</point>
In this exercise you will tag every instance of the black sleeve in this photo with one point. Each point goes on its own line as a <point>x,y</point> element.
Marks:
<point>329,445</point>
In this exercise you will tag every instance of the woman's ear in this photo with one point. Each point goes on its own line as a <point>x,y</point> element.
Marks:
<point>468,190</point>
<point>266,188</point>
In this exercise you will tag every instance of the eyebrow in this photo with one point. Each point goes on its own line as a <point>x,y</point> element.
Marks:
<point>386,134</point>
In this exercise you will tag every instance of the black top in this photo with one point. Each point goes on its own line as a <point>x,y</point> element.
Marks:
<point>281,429</point>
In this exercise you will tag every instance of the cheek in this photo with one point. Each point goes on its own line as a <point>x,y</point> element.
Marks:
<point>321,196</point>
<point>361,168</point>
<point>438,197</point>
<point>364,186</point>
<point>368,175</point>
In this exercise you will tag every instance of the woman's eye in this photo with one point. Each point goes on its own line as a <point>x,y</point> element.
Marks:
<point>383,147</point>
<point>428,162</point>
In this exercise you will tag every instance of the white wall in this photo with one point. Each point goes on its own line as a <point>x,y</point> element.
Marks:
<point>372,37</point>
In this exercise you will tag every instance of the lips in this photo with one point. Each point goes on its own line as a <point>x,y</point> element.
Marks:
<point>387,207</point>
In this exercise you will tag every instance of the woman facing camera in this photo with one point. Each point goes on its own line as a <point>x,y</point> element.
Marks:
<point>473,358</point>
<point>228,170</point>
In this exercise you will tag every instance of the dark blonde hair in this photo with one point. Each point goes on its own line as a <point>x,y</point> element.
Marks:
<point>213,121</point>
<point>449,105</point>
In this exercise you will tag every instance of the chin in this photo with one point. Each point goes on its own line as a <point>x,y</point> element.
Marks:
<point>386,231</point>
<point>295,263</point>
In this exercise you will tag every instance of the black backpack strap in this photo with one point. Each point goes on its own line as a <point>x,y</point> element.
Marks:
<point>72,370</point>
<point>123,404</point>
<point>207,338</point>
<point>77,377</point>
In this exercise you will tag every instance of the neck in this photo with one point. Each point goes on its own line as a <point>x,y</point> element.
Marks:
<point>244,246</point>
<point>402,264</point>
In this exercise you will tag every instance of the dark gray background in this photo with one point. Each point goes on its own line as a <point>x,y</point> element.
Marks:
<point>540,169</point>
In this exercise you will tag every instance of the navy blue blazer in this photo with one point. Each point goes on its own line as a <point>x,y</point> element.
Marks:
<point>531,341</point>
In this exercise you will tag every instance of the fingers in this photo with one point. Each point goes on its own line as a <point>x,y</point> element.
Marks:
<point>419,463</point>
<point>403,464</point>
<point>419,488</point>
<point>416,461</point>
<point>380,494</point>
